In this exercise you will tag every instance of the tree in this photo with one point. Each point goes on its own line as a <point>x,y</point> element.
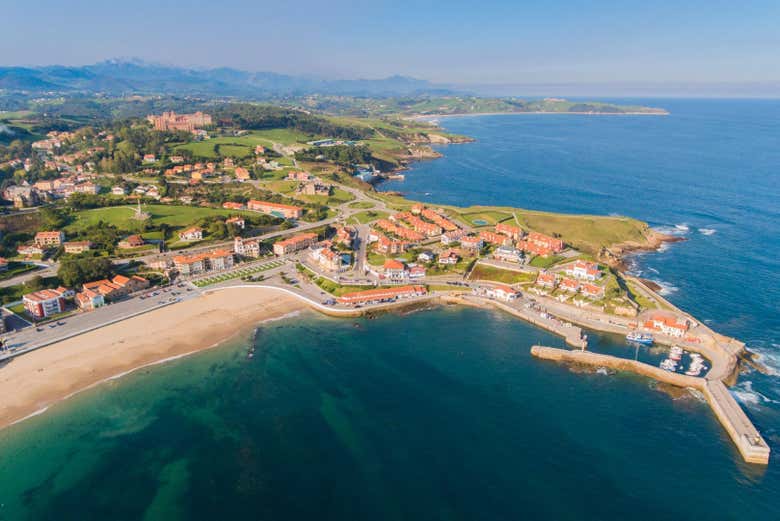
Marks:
<point>73,272</point>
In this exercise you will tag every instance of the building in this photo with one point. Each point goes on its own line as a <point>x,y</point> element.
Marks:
<point>295,243</point>
<point>247,247</point>
<point>44,303</point>
<point>592,290</point>
<point>449,257</point>
<point>29,250</point>
<point>547,280</point>
<point>375,296</point>
<point>570,285</point>
<point>509,254</point>
<point>472,243</point>
<point>416,272</point>
<point>344,235</point>
<point>426,256</point>
<point>439,219</point>
<point>150,158</point>
<point>119,190</point>
<point>285,211</point>
<point>584,270</point>
<point>77,246</point>
<point>49,239</point>
<point>328,259</point>
<point>542,245</point>
<point>131,284</point>
<point>184,122</point>
<point>191,234</point>
<point>215,260</point>
<point>3,264</point>
<point>399,231</point>
<point>242,174</point>
<point>502,292</point>
<point>453,236</point>
<point>88,300</point>
<point>386,245</point>
<point>513,232</point>
<point>495,239</point>
<point>300,176</point>
<point>238,222</point>
<point>131,241</point>
<point>394,270</point>
<point>229,205</point>
<point>668,325</point>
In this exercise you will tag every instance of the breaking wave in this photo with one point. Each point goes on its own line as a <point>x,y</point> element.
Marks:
<point>707,231</point>
<point>744,393</point>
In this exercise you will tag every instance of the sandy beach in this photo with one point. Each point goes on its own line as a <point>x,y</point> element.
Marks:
<point>34,381</point>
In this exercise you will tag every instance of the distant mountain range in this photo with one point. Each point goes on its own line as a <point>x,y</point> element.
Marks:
<point>118,77</point>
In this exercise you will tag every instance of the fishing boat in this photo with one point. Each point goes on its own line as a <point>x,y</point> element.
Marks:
<point>675,353</point>
<point>640,338</point>
<point>669,365</point>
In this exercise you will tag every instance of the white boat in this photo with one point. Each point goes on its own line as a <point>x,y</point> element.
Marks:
<point>668,365</point>
<point>675,353</point>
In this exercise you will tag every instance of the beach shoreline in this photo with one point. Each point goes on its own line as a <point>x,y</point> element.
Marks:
<point>33,383</point>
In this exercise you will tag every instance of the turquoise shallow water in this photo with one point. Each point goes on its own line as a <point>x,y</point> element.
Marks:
<point>440,414</point>
<point>443,414</point>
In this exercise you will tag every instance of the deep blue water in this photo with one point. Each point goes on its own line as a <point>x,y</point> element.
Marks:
<point>710,171</point>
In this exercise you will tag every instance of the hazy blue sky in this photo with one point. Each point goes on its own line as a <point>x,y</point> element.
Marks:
<point>452,41</point>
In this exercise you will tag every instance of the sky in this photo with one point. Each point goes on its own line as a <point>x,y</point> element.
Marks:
<point>456,42</point>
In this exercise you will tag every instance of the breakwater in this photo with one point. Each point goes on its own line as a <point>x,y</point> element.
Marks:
<point>743,433</point>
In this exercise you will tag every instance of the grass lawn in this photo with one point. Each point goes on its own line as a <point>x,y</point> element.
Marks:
<point>374,258</point>
<point>485,272</point>
<point>545,262</point>
<point>368,216</point>
<point>489,217</point>
<point>362,205</point>
<point>122,216</point>
<point>19,310</point>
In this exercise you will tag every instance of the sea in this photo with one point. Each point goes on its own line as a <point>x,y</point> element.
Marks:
<point>442,413</point>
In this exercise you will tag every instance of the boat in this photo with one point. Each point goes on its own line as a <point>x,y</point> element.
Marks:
<point>675,353</point>
<point>669,365</point>
<point>640,338</point>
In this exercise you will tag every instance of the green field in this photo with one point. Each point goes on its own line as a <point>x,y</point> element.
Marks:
<point>362,204</point>
<point>242,146</point>
<point>485,272</point>
<point>122,216</point>
<point>490,217</point>
<point>545,262</point>
<point>368,216</point>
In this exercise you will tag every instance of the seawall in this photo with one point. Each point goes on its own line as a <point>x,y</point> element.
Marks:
<point>743,433</point>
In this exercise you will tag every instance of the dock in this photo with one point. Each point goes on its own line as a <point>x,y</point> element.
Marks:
<point>743,433</point>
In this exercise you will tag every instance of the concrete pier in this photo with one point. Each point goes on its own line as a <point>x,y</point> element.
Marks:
<point>743,433</point>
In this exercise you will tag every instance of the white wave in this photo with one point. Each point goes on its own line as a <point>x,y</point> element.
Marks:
<point>666,287</point>
<point>676,230</point>
<point>663,247</point>
<point>707,231</point>
<point>682,227</point>
<point>769,358</point>
<point>745,394</point>
<point>653,270</point>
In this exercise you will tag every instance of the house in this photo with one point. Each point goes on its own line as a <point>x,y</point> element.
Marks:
<point>668,325</point>
<point>399,231</point>
<point>238,222</point>
<point>592,291</point>
<point>449,257</point>
<point>502,292</point>
<point>386,246</point>
<point>372,296</point>
<point>394,270</point>
<point>29,250</point>
<point>149,158</point>
<point>300,176</point>
<point>495,239</point>
<point>119,190</point>
<point>344,235</point>
<point>426,256</point>
<point>513,232</point>
<point>542,245</point>
<point>584,270</point>
<point>439,219</point>
<point>416,272</point>
<point>194,233</point>
<point>295,243</point>
<point>228,162</point>
<point>453,236</point>
<point>570,285</point>
<point>108,289</point>
<point>44,303</point>
<point>328,259</point>
<point>285,211</point>
<point>177,159</point>
<point>215,260</point>
<point>48,239</point>
<point>3,264</point>
<point>229,205</point>
<point>472,243</point>
<point>247,247</point>
<point>77,246</point>
<point>242,174</point>
<point>131,284</point>
<point>509,254</point>
<point>88,300</point>
<point>131,241</point>
<point>547,280</point>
